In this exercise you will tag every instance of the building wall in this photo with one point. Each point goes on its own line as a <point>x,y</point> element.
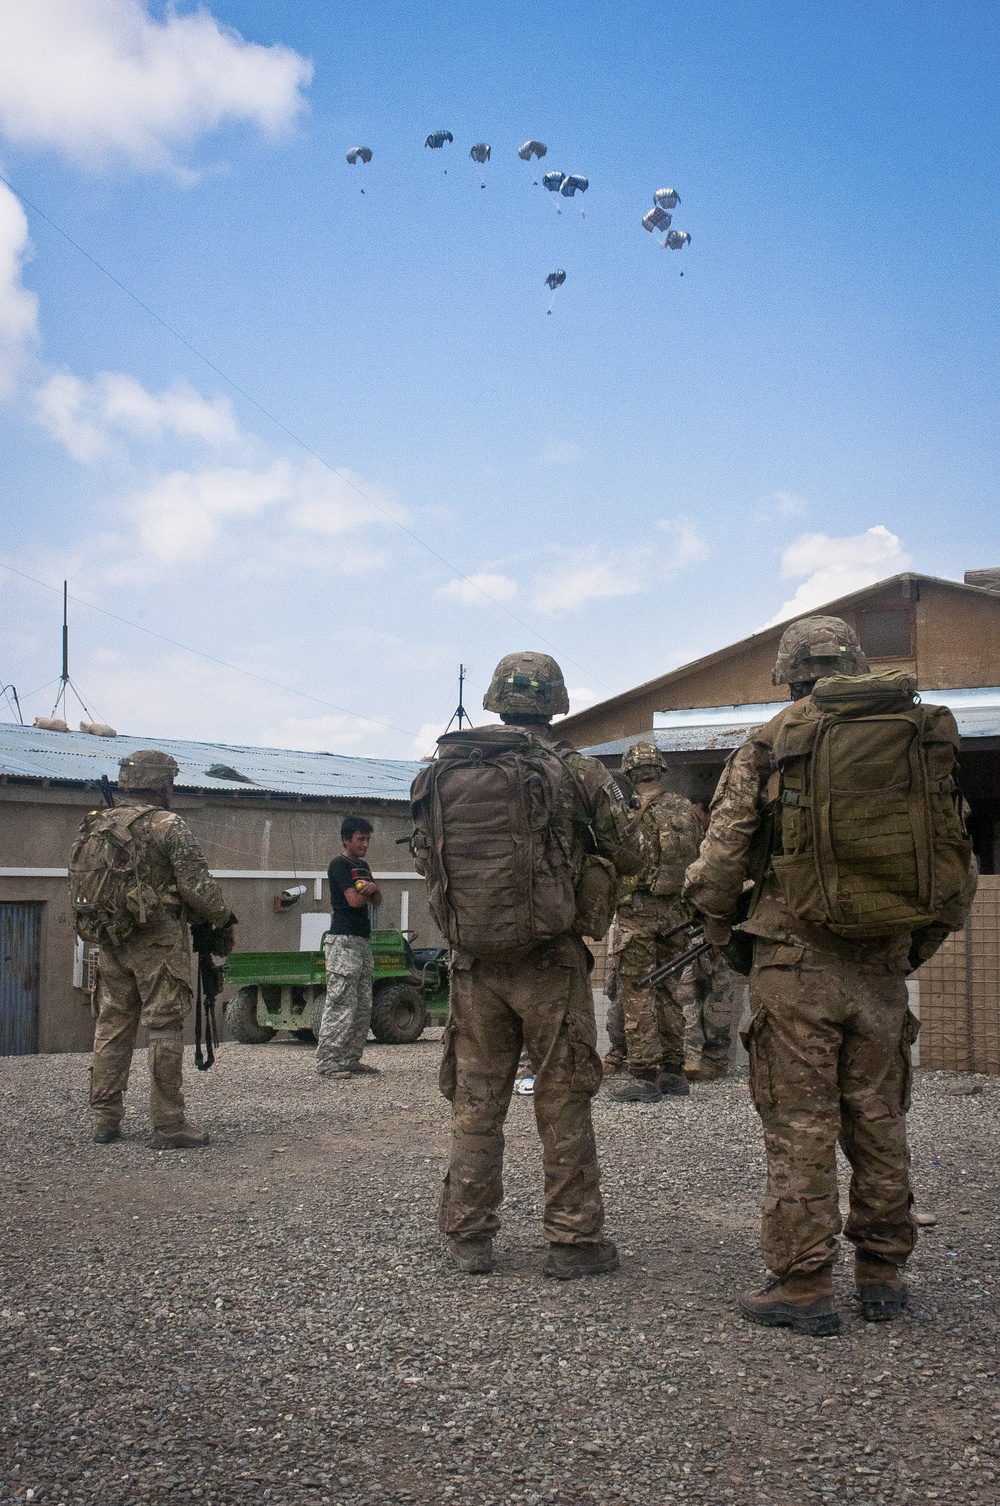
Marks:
<point>37,827</point>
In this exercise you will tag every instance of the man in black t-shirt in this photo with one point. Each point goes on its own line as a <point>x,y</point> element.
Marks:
<point>347,1013</point>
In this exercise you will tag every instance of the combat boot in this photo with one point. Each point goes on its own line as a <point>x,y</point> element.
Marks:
<point>184,1137</point>
<point>472,1254</point>
<point>671,1080</point>
<point>802,1302</point>
<point>105,1133</point>
<point>638,1086</point>
<point>567,1262</point>
<point>713,1068</point>
<point>880,1288</point>
<point>613,1063</point>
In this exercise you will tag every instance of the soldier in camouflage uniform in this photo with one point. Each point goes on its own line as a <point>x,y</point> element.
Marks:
<point>147,979</point>
<point>649,903</point>
<point>543,1000</point>
<point>829,1042</point>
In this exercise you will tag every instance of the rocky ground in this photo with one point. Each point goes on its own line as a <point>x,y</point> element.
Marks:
<point>271,1319</point>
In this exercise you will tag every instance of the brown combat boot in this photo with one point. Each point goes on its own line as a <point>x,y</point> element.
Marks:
<point>713,1068</point>
<point>613,1063</point>
<point>184,1137</point>
<point>801,1302</point>
<point>106,1133</point>
<point>567,1262</point>
<point>637,1085</point>
<point>473,1254</point>
<point>671,1080</point>
<point>881,1289</point>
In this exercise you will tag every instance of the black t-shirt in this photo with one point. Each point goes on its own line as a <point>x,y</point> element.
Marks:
<point>344,874</point>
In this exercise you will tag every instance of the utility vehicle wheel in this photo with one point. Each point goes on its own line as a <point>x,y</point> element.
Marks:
<point>308,1036</point>
<point>241,1019</point>
<point>399,1014</point>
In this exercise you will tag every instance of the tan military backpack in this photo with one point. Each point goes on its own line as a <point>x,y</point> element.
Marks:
<point>869,836</point>
<point>679,835</point>
<point>108,897</point>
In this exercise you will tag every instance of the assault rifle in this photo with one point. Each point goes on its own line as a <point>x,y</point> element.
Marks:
<point>738,950</point>
<point>208,942</point>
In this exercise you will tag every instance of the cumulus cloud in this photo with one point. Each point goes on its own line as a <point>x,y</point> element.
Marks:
<point>835,567</point>
<point>426,739</point>
<point>105,82</point>
<point>82,415</point>
<point>789,504</point>
<point>482,590</point>
<point>18,307</point>
<point>581,576</point>
<point>688,545</point>
<point>324,734</point>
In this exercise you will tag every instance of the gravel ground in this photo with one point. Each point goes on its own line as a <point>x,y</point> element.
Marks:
<point>271,1319</point>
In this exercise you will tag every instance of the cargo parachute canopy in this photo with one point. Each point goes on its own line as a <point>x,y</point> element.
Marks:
<point>555,280</point>
<point>667,198</point>
<point>531,149</point>
<point>359,154</point>
<point>572,183</point>
<point>656,219</point>
<point>676,240</point>
<point>480,152</point>
<point>553,181</point>
<point>437,139</point>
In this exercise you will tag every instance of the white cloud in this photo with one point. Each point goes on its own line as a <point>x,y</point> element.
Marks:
<point>689,546</point>
<point>560,452</point>
<point>103,81</point>
<point>835,567</point>
<point>18,307</point>
<point>426,739</point>
<point>580,698</point>
<point>789,504</point>
<point>80,415</point>
<point>595,574</point>
<point>482,590</point>
<point>324,734</point>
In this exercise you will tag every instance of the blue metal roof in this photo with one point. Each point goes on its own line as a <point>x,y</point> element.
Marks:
<point>77,757</point>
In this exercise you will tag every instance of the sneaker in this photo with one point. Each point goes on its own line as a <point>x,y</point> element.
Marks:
<point>472,1255</point>
<point>636,1090</point>
<point>803,1303</point>
<point>879,1288</point>
<point>185,1137</point>
<point>106,1134</point>
<point>567,1262</point>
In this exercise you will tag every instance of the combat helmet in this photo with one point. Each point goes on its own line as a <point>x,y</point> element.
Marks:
<point>816,647</point>
<point>643,761</point>
<point>147,769</point>
<point>531,684</point>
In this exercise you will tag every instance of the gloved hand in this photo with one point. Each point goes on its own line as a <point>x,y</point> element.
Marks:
<point>716,931</point>
<point>217,940</point>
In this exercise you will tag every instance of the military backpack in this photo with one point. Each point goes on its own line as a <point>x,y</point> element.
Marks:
<point>494,837</point>
<point>108,897</point>
<point>868,834</point>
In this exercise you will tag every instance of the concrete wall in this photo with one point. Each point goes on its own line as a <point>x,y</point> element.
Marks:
<point>236,833</point>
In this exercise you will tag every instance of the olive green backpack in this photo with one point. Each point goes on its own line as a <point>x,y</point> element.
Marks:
<point>869,838</point>
<point>108,897</point>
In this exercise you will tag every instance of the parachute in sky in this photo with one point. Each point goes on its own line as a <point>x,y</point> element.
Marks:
<point>676,240</point>
<point>553,181</point>
<point>667,198</point>
<point>572,183</point>
<point>437,139</point>
<point>656,219</point>
<point>555,280</point>
<point>531,149</point>
<point>479,153</point>
<point>359,154</point>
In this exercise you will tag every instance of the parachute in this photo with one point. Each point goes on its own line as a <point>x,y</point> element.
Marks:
<point>437,139</point>
<point>359,154</point>
<point>555,280</point>
<point>572,183</point>
<point>667,198</point>
<point>553,181</point>
<point>655,219</point>
<point>531,149</point>
<point>676,240</point>
<point>479,153</point>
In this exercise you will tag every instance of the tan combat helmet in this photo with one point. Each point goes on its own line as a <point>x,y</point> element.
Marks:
<point>147,769</point>
<point>816,647</point>
<point>643,761</point>
<point>529,684</point>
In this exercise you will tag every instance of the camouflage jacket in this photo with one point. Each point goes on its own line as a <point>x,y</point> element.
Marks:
<point>671,836</point>
<point>171,863</point>
<point>603,820</point>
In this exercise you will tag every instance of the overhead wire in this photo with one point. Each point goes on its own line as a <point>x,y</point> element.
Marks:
<point>342,475</point>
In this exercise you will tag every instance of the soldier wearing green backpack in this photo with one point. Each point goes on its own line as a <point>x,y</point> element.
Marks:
<point>843,811</point>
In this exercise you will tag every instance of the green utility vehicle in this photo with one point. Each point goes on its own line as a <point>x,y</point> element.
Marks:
<point>287,991</point>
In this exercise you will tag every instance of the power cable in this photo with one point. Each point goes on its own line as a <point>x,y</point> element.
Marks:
<point>296,439</point>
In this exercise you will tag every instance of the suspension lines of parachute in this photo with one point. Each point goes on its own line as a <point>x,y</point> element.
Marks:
<point>554,282</point>
<point>658,218</point>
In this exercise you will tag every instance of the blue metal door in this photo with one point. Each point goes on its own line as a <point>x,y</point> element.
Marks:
<point>20,964</point>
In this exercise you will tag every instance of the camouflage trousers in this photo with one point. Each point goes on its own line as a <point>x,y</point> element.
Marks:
<point>829,1043</point>
<point>654,1018</point>
<point>543,1001</point>
<point>145,981</point>
<point>347,1012</point>
<point>712,1016</point>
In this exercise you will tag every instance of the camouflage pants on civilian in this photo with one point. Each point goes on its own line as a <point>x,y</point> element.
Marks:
<point>347,1012</point>
<point>145,981</point>
<point>543,1001</point>
<point>829,1042</point>
<point>712,1016</point>
<point>654,1018</point>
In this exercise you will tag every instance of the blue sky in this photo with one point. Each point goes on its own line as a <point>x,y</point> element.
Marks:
<point>660,466</point>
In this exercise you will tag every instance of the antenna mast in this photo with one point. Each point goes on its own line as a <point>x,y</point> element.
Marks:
<point>65,683</point>
<point>460,714</point>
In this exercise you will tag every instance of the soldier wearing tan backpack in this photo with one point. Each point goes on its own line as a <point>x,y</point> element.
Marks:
<point>521,840</point>
<point>844,811</point>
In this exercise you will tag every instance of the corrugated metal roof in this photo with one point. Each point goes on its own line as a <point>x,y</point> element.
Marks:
<point>77,757</point>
